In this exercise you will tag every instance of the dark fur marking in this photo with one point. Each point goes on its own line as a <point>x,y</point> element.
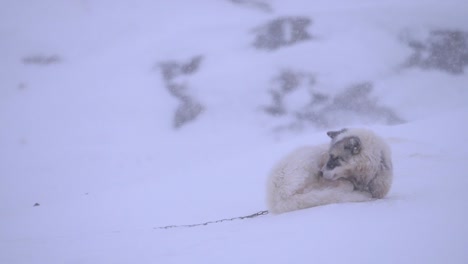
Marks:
<point>333,134</point>
<point>358,185</point>
<point>333,162</point>
<point>383,163</point>
<point>353,144</point>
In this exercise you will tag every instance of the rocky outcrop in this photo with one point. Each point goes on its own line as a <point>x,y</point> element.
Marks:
<point>41,60</point>
<point>445,50</point>
<point>255,4</point>
<point>282,32</point>
<point>321,109</point>
<point>189,108</point>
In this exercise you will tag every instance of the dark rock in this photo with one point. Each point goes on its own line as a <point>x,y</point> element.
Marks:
<point>259,5</point>
<point>286,82</point>
<point>357,99</point>
<point>41,59</point>
<point>189,109</point>
<point>322,110</point>
<point>445,50</point>
<point>172,69</point>
<point>281,32</point>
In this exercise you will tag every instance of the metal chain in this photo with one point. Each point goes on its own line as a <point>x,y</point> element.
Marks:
<point>216,221</point>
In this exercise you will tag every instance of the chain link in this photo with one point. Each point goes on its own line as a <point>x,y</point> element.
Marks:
<point>216,221</point>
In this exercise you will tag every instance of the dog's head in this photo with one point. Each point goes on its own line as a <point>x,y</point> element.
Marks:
<point>342,155</point>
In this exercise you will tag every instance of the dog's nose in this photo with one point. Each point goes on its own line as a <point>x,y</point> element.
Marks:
<point>320,173</point>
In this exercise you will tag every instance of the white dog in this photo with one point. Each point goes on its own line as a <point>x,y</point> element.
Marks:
<point>355,167</point>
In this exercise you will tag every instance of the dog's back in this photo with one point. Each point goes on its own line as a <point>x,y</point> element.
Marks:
<point>295,183</point>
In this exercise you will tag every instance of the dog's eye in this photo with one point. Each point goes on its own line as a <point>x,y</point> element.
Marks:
<point>333,162</point>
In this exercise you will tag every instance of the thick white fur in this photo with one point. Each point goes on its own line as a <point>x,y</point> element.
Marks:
<point>296,182</point>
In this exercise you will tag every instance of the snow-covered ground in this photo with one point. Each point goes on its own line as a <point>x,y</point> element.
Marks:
<point>117,117</point>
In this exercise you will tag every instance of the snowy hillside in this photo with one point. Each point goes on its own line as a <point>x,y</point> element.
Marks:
<point>117,117</point>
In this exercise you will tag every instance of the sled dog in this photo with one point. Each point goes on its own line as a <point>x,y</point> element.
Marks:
<point>355,167</point>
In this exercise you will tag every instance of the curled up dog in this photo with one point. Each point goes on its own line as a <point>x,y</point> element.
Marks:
<point>355,167</point>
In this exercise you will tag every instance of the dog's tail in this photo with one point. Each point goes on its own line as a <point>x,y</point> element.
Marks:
<point>281,204</point>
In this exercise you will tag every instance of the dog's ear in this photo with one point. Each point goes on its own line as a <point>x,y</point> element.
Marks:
<point>353,144</point>
<point>333,134</point>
